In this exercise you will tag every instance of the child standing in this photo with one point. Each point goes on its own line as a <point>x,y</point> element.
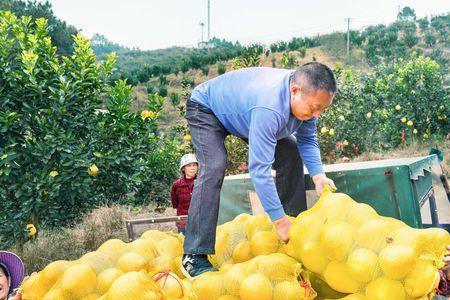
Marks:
<point>181,191</point>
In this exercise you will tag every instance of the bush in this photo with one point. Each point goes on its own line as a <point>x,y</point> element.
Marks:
<point>221,67</point>
<point>248,59</point>
<point>69,141</point>
<point>205,70</point>
<point>288,61</point>
<point>174,98</point>
<point>150,89</point>
<point>162,91</point>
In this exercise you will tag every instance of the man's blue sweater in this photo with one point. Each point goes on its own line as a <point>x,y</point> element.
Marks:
<point>254,103</point>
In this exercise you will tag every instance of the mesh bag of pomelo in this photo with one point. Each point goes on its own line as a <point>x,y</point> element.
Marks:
<point>265,277</point>
<point>169,249</point>
<point>354,250</point>
<point>244,238</point>
<point>95,272</point>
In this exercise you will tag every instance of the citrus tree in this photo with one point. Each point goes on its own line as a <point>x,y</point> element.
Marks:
<point>68,140</point>
<point>389,107</point>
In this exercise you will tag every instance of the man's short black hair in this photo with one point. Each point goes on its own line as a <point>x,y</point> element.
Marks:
<point>317,75</point>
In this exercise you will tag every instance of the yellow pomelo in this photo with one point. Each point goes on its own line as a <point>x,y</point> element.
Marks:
<point>228,263</point>
<point>170,284</point>
<point>362,265</point>
<point>106,279</point>
<point>143,247</point>
<point>35,286</point>
<point>283,248</point>
<point>354,297</point>
<point>256,224</point>
<point>242,252</point>
<point>54,270</point>
<point>222,239</point>
<point>242,218</point>
<point>55,294</point>
<point>114,248</point>
<point>154,235</point>
<point>307,227</point>
<point>335,207</point>
<point>226,267</point>
<point>98,261</point>
<point>131,261</point>
<point>313,256</point>
<point>291,249</point>
<point>208,286</point>
<point>177,267</point>
<point>286,290</point>
<point>376,234</point>
<point>407,236</point>
<point>133,285</point>
<point>337,240</point>
<point>396,261</point>
<point>435,240</point>
<point>278,266</point>
<point>160,264</point>
<point>78,281</point>
<point>256,286</point>
<point>252,265</point>
<point>233,279</point>
<point>170,246</point>
<point>361,213</point>
<point>338,278</point>
<point>228,297</point>
<point>420,280</point>
<point>91,297</point>
<point>384,288</point>
<point>264,242</point>
<point>187,286</point>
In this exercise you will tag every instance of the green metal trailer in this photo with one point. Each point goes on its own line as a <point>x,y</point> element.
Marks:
<point>395,188</point>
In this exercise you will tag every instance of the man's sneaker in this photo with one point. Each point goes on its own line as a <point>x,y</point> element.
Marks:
<point>193,265</point>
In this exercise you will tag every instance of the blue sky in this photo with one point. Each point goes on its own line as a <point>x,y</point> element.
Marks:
<point>152,24</point>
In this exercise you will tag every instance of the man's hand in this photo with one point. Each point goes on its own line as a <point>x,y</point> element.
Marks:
<point>282,226</point>
<point>321,180</point>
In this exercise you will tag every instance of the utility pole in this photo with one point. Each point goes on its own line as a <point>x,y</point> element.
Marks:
<point>209,21</point>
<point>202,25</point>
<point>348,35</point>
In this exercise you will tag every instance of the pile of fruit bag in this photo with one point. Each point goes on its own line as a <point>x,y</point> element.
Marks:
<point>356,251</point>
<point>245,237</point>
<point>117,270</point>
<point>266,277</point>
<point>346,249</point>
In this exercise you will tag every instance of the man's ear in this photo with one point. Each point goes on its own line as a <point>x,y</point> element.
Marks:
<point>295,88</point>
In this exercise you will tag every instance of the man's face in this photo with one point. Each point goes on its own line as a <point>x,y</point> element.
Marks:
<point>308,104</point>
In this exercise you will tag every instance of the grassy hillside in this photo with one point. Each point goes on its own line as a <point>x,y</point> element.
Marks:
<point>369,48</point>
